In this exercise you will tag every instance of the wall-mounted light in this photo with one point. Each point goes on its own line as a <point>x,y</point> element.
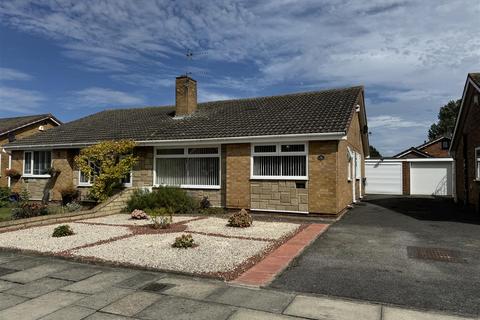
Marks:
<point>321,157</point>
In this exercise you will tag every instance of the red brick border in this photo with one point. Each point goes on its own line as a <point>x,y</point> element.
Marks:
<point>266,270</point>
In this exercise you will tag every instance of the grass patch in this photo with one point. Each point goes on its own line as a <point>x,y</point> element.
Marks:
<point>5,214</point>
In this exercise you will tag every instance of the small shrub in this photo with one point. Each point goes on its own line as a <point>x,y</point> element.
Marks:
<point>4,196</point>
<point>29,210</point>
<point>138,214</point>
<point>241,219</point>
<point>62,231</point>
<point>69,194</point>
<point>13,173</point>
<point>184,241</point>
<point>161,218</point>
<point>73,206</point>
<point>176,199</point>
<point>213,211</point>
<point>205,203</point>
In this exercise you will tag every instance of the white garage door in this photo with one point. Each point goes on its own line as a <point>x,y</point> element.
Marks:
<point>431,178</point>
<point>383,177</point>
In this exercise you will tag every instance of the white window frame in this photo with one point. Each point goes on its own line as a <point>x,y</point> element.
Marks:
<point>350,155</point>
<point>477,164</point>
<point>358,170</point>
<point>89,182</point>
<point>31,175</point>
<point>187,155</point>
<point>278,152</point>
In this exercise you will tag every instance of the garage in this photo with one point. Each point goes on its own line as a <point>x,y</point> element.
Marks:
<point>431,178</point>
<point>383,176</point>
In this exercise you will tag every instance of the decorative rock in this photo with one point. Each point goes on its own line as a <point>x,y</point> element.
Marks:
<point>138,214</point>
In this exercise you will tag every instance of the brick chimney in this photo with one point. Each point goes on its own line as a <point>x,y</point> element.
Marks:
<point>185,96</point>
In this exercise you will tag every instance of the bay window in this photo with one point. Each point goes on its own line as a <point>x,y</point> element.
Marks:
<point>189,167</point>
<point>279,161</point>
<point>37,163</point>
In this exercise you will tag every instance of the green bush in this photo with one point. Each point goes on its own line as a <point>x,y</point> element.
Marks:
<point>29,210</point>
<point>161,218</point>
<point>4,195</point>
<point>62,231</point>
<point>176,199</point>
<point>240,219</point>
<point>184,241</point>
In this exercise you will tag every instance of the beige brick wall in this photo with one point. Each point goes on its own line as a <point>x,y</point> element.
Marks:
<point>278,195</point>
<point>19,134</point>
<point>143,170</point>
<point>237,167</point>
<point>322,191</point>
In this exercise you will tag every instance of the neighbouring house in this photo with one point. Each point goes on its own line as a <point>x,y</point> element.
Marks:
<point>465,147</point>
<point>301,152</point>
<point>17,128</point>
<point>437,148</point>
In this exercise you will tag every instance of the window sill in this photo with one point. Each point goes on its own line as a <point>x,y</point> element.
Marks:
<point>189,187</point>
<point>278,178</point>
<point>37,176</point>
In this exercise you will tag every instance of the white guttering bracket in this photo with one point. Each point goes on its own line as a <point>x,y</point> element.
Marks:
<point>178,142</point>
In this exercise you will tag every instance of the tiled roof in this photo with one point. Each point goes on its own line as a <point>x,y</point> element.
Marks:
<point>9,124</point>
<point>325,111</point>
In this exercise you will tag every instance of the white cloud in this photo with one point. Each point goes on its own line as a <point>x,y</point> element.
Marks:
<point>207,95</point>
<point>395,122</point>
<point>7,74</point>
<point>96,97</point>
<point>16,100</point>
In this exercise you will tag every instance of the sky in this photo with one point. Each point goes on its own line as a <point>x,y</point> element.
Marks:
<point>74,58</point>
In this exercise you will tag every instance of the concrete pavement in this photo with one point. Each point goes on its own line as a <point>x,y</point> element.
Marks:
<point>33,287</point>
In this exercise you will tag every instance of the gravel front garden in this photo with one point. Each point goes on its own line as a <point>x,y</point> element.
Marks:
<point>220,251</point>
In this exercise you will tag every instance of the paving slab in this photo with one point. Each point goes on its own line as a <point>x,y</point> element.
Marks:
<point>100,282</point>
<point>140,280</point>
<point>8,300</point>
<point>177,308</point>
<point>106,316</point>
<point>189,288</point>
<point>38,287</point>
<point>405,314</point>
<point>70,313</point>
<point>77,273</point>
<point>4,271</point>
<point>35,273</point>
<point>330,309</point>
<point>99,300</point>
<point>41,306</point>
<point>24,262</point>
<point>132,303</point>
<point>265,300</point>
<point>245,314</point>
<point>6,285</point>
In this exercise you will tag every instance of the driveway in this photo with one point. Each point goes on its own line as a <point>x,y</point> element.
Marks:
<point>370,255</point>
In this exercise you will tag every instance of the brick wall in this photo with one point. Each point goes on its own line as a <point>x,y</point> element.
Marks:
<point>322,174</point>
<point>435,150</point>
<point>19,134</point>
<point>237,166</point>
<point>469,139</point>
<point>406,178</point>
<point>279,195</point>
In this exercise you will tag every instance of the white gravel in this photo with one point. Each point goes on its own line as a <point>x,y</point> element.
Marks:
<point>214,254</point>
<point>124,219</point>
<point>40,238</point>
<point>259,229</point>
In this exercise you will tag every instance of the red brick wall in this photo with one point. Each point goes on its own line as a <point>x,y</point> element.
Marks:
<point>435,150</point>
<point>406,178</point>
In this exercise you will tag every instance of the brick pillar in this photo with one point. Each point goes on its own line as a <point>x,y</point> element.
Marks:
<point>406,177</point>
<point>238,175</point>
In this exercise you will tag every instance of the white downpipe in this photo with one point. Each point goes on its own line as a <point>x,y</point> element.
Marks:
<point>9,167</point>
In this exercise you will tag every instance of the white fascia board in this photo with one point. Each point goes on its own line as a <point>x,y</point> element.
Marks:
<point>179,142</point>
<point>430,160</point>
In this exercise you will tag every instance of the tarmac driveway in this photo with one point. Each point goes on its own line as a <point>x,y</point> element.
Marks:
<point>376,252</point>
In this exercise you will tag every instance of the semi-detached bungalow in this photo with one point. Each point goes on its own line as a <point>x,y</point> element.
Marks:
<point>301,152</point>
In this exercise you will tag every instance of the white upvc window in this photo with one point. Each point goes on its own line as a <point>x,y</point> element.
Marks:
<point>188,167</point>
<point>477,163</point>
<point>350,163</point>
<point>37,163</point>
<point>84,181</point>
<point>358,161</point>
<point>279,161</point>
